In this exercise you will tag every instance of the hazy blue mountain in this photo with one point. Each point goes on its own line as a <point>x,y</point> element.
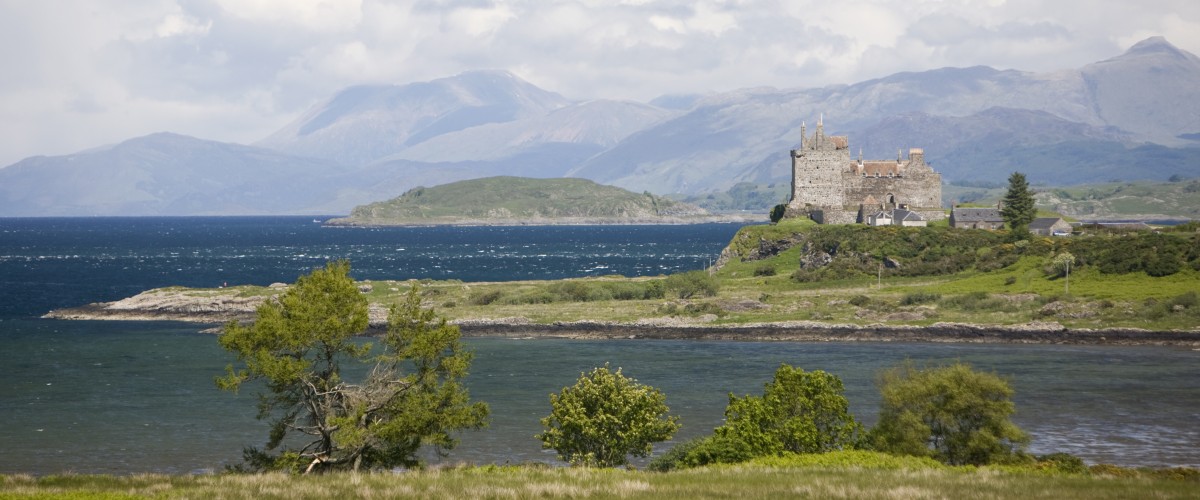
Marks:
<point>989,145</point>
<point>363,124</point>
<point>1133,116</point>
<point>591,125</point>
<point>1153,90</point>
<point>166,174</point>
<point>744,136</point>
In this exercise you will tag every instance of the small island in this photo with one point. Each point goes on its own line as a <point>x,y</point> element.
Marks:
<point>514,201</point>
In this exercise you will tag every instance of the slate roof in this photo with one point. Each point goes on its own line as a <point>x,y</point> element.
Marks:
<point>903,215</point>
<point>1043,223</point>
<point>977,215</point>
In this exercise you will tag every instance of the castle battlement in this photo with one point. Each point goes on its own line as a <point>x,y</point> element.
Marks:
<point>829,187</point>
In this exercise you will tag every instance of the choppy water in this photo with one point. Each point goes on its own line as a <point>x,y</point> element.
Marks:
<point>130,397</point>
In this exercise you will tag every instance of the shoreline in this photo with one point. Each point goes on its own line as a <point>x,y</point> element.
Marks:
<point>216,312</point>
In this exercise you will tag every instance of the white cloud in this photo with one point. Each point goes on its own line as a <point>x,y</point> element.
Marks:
<point>80,73</point>
<point>316,15</point>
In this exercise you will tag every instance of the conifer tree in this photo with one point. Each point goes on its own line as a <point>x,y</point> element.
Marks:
<point>1019,209</point>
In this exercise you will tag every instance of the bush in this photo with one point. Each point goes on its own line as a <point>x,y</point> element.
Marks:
<point>1187,301</point>
<point>974,301</point>
<point>697,309</point>
<point>702,451</point>
<point>915,298</point>
<point>692,283</point>
<point>764,269</point>
<point>1062,462</point>
<point>798,412</point>
<point>953,414</point>
<point>484,297</point>
<point>777,212</point>
<point>860,300</point>
<point>604,418</point>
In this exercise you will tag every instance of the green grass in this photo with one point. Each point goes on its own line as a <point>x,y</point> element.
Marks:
<point>834,475</point>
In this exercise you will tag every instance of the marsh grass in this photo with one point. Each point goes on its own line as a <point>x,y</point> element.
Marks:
<point>833,475</point>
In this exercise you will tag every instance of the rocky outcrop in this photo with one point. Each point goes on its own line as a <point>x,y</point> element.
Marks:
<point>170,304</point>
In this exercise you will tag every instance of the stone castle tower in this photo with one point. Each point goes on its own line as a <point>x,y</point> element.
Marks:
<point>830,188</point>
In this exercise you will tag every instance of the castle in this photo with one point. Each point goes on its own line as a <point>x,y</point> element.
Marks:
<point>830,188</point>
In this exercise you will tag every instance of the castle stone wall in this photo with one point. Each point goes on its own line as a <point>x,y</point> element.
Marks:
<point>832,189</point>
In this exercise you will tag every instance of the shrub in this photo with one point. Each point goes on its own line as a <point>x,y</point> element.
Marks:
<point>1062,462</point>
<point>799,412</point>
<point>692,283</point>
<point>696,309</point>
<point>764,269</point>
<point>919,298</point>
<point>777,212</point>
<point>860,300</point>
<point>702,451</point>
<point>604,418</point>
<point>1187,301</point>
<point>484,297</point>
<point>954,414</point>
<point>974,301</point>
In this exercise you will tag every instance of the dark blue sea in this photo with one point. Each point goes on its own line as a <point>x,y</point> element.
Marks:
<point>127,397</point>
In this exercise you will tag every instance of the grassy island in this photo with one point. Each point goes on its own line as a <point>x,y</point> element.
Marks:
<point>525,201</point>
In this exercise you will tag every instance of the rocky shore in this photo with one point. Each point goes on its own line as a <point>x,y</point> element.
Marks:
<point>215,307</point>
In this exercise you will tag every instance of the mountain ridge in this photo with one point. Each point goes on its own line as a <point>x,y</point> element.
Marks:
<point>1132,116</point>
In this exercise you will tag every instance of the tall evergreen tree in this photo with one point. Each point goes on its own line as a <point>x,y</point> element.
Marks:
<point>1018,210</point>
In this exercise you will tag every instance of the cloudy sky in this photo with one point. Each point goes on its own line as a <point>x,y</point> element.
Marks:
<point>83,73</point>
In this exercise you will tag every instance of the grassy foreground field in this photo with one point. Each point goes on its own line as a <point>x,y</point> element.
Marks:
<point>821,476</point>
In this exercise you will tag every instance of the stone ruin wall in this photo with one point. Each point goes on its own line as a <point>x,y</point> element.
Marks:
<point>825,188</point>
<point>817,178</point>
<point>920,189</point>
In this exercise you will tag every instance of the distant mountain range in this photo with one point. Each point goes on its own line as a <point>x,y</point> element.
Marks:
<point>1134,116</point>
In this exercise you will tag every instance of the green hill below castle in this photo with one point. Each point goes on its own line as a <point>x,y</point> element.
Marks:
<point>520,200</point>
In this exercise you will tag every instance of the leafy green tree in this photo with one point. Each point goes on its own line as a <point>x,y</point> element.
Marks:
<point>1019,209</point>
<point>953,414</point>
<point>321,422</point>
<point>798,412</point>
<point>604,418</point>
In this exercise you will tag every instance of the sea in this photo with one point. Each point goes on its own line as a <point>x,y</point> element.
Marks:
<point>132,397</point>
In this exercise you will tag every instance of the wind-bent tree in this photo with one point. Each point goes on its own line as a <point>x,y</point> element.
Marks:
<point>1019,209</point>
<point>799,412</point>
<point>320,422</point>
<point>604,417</point>
<point>953,414</point>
